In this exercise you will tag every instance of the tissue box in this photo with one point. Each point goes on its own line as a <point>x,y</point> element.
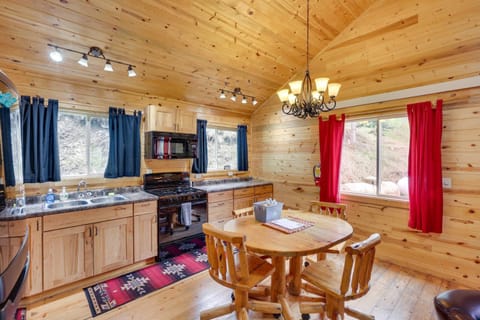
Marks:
<point>265,213</point>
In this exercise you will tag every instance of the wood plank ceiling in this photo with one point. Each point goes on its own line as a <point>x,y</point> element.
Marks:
<point>185,50</point>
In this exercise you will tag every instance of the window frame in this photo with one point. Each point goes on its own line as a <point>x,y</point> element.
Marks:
<point>88,115</point>
<point>378,161</point>
<point>225,128</point>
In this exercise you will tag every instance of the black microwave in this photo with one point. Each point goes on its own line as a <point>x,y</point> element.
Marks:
<point>170,145</point>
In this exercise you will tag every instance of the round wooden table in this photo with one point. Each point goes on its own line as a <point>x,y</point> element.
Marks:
<point>325,233</point>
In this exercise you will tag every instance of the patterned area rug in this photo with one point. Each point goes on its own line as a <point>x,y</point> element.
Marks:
<point>174,249</point>
<point>112,293</point>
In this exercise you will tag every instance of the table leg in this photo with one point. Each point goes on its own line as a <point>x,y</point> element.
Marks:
<point>278,278</point>
<point>295,285</point>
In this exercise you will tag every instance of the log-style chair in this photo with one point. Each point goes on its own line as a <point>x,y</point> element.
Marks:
<point>339,286</point>
<point>13,280</point>
<point>243,212</point>
<point>331,209</point>
<point>232,267</point>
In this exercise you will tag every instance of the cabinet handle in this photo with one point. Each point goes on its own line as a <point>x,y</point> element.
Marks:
<point>120,208</point>
<point>96,231</point>
<point>89,232</point>
<point>221,204</point>
<point>38,225</point>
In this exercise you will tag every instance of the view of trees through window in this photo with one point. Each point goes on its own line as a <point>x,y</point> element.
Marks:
<point>83,144</point>
<point>222,148</point>
<point>362,165</point>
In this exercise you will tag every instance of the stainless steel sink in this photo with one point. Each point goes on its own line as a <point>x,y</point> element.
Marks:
<point>67,204</point>
<point>108,199</point>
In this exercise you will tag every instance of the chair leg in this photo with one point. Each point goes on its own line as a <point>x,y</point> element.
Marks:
<point>359,315</point>
<point>217,311</point>
<point>243,314</point>
<point>286,311</point>
<point>312,307</point>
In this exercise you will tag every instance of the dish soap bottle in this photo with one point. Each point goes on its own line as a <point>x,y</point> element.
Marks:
<point>50,197</point>
<point>64,194</point>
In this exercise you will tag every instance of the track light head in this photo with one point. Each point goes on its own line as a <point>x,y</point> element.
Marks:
<point>131,72</point>
<point>244,100</point>
<point>254,101</point>
<point>83,60</point>
<point>108,66</point>
<point>222,94</point>
<point>56,56</point>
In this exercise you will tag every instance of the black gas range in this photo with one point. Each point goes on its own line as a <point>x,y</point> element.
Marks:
<point>173,190</point>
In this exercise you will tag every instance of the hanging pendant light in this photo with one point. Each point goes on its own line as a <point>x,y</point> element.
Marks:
<point>303,101</point>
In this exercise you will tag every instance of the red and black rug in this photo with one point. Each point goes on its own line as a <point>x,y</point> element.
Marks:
<point>174,249</point>
<point>112,293</point>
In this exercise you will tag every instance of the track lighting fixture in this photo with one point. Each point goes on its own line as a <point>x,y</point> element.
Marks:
<point>236,92</point>
<point>108,66</point>
<point>94,52</point>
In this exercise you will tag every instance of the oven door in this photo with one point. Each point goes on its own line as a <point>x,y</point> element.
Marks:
<point>169,225</point>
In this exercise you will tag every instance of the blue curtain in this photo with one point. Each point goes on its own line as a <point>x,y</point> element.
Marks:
<point>242,148</point>
<point>124,152</point>
<point>200,163</point>
<point>41,161</point>
<point>7,147</point>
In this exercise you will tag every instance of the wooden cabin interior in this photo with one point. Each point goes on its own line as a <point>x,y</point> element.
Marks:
<point>385,54</point>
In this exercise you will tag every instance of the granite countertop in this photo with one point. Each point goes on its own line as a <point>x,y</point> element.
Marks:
<point>232,185</point>
<point>39,209</point>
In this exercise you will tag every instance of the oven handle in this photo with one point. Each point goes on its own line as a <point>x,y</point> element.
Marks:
<point>177,205</point>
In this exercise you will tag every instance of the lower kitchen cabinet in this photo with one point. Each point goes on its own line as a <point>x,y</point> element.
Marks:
<point>145,230</point>
<point>80,244</point>
<point>11,236</point>
<point>112,244</point>
<point>220,206</point>
<point>243,198</point>
<point>67,255</point>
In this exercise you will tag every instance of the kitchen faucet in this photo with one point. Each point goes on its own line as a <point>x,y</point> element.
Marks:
<point>82,183</point>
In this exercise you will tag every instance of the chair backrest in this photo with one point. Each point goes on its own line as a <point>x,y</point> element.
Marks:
<point>243,212</point>
<point>13,279</point>
<point>357,270</point>
<point>329,209</point>
<point>227,256</point>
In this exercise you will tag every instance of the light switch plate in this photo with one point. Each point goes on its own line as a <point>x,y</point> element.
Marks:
<point>447,183</point>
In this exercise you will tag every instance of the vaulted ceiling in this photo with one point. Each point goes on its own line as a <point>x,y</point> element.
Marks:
<point>185,50</point>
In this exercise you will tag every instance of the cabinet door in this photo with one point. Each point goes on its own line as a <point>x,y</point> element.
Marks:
<point>67,255</point>
<point>186,121</point>
<point>263,197</point>
<point>113,244</point>
<point>220,212</point>
<point>145,236</point>
<point>34,281</point>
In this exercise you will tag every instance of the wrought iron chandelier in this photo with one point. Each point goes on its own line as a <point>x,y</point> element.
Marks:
<point>303,101</point>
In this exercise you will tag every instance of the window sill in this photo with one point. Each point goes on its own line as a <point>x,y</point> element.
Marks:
<point>382,200</point>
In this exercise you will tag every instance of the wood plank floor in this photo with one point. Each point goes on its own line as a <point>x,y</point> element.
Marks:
<point>396,294</point>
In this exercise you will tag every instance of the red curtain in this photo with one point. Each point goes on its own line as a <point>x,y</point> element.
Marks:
<point>425,167</point>
<point>331,138</point>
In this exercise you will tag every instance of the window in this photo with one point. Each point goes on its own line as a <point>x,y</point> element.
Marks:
<point>83,144</point>
<point>375,150</point>
<point>222,148</point>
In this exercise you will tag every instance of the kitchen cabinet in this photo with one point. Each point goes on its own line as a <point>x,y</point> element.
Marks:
<point>79,244</point>
<point>220,207</point>
<point>263,192</point>
<point>11,236</point>
<point>145,230</point>
<point>170,119</point>
<point>243,198</point>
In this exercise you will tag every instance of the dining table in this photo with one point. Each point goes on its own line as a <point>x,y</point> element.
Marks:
<point>322,233</point>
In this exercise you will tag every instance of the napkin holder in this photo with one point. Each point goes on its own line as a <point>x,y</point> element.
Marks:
<point>265,213</point>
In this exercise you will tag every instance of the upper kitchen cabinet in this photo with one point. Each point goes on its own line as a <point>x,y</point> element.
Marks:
<point>170,119</point>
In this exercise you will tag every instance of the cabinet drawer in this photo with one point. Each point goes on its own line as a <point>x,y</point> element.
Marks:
<point>243,203</point>
<point>263,197</point>
<point>244,192</point>
<point>65,220</point>
<point>264,189</point>
<point>144,207</point>
<point>220,210</point>
<point>220,196</point>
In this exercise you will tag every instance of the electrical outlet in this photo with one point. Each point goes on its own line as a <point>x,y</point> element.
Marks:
<point>447,183</point>
<point>148,171</point>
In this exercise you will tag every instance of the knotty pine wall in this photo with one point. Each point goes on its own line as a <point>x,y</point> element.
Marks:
<point>394,45</point>
<point>97,99</point>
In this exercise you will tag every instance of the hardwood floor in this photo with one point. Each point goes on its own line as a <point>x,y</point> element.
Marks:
<point>396,294</point>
